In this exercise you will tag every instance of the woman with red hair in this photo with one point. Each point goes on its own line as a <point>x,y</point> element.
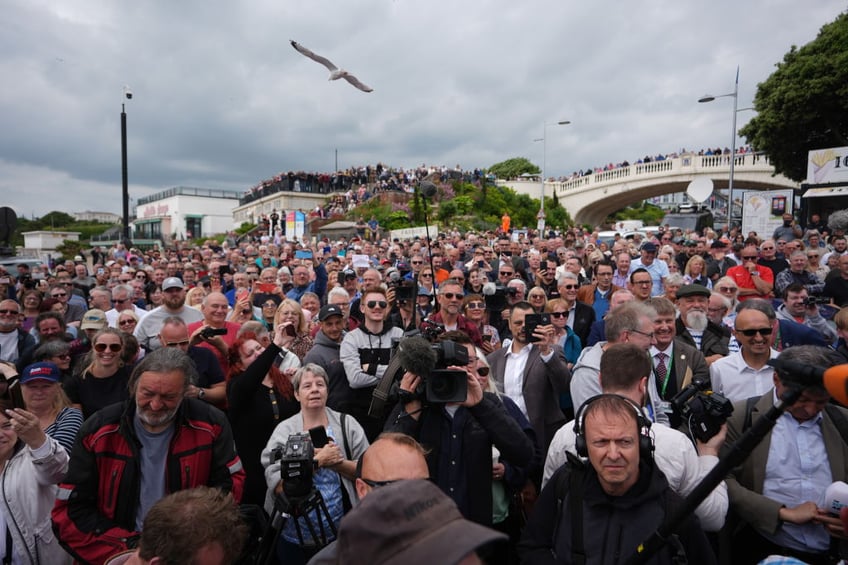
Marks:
<point>259,397</point>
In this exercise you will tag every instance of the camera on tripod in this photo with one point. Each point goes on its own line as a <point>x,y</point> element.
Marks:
<point>703,410</point>
<point>296,465</point>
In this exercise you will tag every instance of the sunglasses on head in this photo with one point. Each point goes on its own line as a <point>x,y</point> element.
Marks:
<point>753,331</point>
<point>113,347</point>
<point>375,303</point>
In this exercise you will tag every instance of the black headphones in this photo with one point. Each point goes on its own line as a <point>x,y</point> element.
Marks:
<point>646,440</point>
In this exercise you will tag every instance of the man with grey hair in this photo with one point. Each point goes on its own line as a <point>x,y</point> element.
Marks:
<point>100,297</point>
<point>122,298</point>
<point>109,487</point>
<point>632,322</point>
<point>797,273</point>
<point>778,513</point>
<point>718,308</point>
<point>581,316</point>
<point>694,326</point>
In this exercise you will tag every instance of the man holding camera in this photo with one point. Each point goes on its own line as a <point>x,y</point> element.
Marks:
<point>460,435</point>
<point>798,306</point>
<point>532,371</point>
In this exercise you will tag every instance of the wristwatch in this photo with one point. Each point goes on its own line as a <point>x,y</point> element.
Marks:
<point>201,393</point>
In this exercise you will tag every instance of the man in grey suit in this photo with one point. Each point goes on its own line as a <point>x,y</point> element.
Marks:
<point>533,374</point>
<point>676,363</point>
<point>777,494</point>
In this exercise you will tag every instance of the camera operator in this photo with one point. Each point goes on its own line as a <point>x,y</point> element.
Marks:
<point>460,436</point>
<point>336,462</point>
<point>625,370</point>
<point>799,306</point>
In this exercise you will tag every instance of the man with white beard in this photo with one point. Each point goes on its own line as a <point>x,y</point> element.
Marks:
<point>695,328</point>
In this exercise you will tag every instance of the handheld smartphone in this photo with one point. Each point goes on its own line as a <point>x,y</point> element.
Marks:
<point>318,434</point>
<point>241,295</point>
<point>487,338</point>
<point>531,322</point>
<point>302,254</point>
<point>481,264</point>
<point>266,287</point>
<point>290,330</point>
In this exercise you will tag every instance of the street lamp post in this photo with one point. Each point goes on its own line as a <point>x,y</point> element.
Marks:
<point>125,232</point>
<point>544,139</point>
<point>735,96</point>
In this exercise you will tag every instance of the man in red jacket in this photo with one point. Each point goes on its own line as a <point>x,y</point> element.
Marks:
<point>110,486</point>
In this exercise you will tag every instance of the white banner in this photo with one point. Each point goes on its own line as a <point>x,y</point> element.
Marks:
<point>827,165</point>
<point>409,233</point>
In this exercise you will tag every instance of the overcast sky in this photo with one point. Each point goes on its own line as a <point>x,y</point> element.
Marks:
<point>221,100</point>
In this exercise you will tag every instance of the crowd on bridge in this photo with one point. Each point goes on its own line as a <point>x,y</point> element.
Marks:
<point>569,436</point>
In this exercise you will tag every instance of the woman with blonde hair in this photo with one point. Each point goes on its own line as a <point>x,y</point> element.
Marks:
<point>290,316</point>
<point>696,272</point>
<point>104,379</point>
<point>195,296</point>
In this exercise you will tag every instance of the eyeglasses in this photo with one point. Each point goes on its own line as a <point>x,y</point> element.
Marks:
<point>648,335</point>
<point>415,263</point>
<point>727,289</point>
<point>506,273</point>
<point>476,306</point>
<point>426,275</point>
<point>536,297</point>
<point>452,295</point>
<point>63,356</point>
<point>180,343</point>
<point>559,314</point>
<point>376,303</point>
<point>570,286</point>
<point>766,248</point>
<point>749,257</point>
<point>269,304</point>
<point>753,331</point>
<point>483,371</point>
<point>121,300</point>
<point>126,322</point>
<point>113,347</point>
<point>58,294</point>
<point>813,255</point>
<point>9,312</point>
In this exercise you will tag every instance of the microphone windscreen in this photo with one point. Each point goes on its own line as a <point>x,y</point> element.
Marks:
<point>416,355</point>
<point>835,497</point>
<point>835,380</point>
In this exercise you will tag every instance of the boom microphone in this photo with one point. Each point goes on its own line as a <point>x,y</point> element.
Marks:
<point>834,379</point>
<point>417,356</point>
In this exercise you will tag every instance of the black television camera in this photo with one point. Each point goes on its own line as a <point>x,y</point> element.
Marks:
<point>296,465</point>
<point>445,385</point>
<point>703,410</point>
<point>495,293</point>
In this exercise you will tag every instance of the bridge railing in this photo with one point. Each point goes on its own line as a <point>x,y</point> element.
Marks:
<point>688,163</point>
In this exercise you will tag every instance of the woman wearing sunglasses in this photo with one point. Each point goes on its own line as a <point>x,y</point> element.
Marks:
<point>474,309</point>
<point>565,336</point>
<point>104,379</point>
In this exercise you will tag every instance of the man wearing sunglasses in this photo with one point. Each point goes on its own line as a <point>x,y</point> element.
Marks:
<point>753,280</point>
<point>744,374</point>
<point>450,296</point>
<point>365,353</point>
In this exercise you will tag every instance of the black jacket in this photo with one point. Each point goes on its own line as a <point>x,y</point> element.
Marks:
<point>486,424</point>
<point>613,526</point>
<point>715,340</point>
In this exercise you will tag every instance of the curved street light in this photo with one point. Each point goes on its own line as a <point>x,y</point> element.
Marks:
<point>735,96</point>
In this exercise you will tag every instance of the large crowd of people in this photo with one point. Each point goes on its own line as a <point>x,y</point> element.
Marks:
<point>537,383</point>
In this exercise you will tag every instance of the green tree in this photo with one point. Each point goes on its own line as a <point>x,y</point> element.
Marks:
<point>802,105</point>
<point>513,168</point>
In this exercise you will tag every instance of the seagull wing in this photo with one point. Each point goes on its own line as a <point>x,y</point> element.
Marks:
<point>355,82</point>
<point>317,58</point>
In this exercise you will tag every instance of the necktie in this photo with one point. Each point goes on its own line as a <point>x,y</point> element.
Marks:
<point>662,370</point>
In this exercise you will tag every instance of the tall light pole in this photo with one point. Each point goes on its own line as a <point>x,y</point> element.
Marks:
<point>125,232</point>
<point>544,139</point>
<point>735,96</point>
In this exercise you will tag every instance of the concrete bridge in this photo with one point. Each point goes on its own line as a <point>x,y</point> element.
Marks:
<point>590,199</point>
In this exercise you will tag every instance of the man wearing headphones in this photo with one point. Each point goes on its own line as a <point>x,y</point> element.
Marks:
<point>604,510</point>
<point>625,370</point>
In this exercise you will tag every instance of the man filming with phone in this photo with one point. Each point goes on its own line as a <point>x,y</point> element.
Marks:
<point>460,435</point>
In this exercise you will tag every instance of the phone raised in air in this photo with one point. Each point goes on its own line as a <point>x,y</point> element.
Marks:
<point>532,321</point>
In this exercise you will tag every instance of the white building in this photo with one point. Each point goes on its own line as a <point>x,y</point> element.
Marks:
<point>183,213</point>
<point>104,217</point>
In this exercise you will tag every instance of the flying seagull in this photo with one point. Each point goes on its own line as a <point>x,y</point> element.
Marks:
<point>335,72</point>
